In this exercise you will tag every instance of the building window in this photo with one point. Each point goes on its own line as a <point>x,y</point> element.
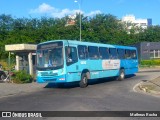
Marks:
<point>143,24</point>
<point>145,51</point>
<point>154,53</point>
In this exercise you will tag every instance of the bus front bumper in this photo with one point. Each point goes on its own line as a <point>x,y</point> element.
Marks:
<point>54,79</point>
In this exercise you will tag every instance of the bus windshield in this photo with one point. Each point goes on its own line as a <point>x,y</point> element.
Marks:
<point>50,57</point>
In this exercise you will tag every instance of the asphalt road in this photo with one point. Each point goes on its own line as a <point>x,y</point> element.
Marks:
<point>106,95</point>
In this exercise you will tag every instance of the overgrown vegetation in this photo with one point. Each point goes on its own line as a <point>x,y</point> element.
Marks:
<point>21,77</point>
<point>6,66</point>
<point>104,28</point>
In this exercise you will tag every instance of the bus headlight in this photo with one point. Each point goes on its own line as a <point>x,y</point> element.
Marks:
<point>61,78</point>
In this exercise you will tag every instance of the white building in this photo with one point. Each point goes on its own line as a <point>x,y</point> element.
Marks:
<point>131,21</point>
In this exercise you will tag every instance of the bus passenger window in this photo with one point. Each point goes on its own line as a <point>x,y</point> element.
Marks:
<point>121,53</point>
<point>82,52</point>
<point>71,55</point>
<point>103,53</point>
<point>128,54</point>
<point>133,54</point>
<point>93,52</point>
<point>113,53</point>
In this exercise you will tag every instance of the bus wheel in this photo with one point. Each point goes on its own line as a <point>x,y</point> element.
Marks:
<point>121,74</point>
<point>84,81</point>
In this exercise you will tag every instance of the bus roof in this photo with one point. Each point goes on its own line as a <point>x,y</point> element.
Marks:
<point>75,42</point>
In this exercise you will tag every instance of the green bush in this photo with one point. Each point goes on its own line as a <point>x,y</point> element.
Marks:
<point>21,77</point>
<point>154,62</point>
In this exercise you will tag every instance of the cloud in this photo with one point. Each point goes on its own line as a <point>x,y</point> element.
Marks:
<point>45,8</point>
<point>64,12</point>
<point>92,13</point>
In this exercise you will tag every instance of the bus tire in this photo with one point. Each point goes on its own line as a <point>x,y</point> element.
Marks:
<point>121,75</point>
<point>84,81</point>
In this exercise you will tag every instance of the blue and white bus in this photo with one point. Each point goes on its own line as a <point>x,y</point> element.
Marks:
<point>62,61</point>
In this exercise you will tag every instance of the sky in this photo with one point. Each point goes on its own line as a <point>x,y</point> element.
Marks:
<point>141,9</point>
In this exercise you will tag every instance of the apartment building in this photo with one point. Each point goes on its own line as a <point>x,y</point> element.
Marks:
<point>131,22</point>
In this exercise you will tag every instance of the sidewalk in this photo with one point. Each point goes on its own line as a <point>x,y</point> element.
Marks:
<point>9,89</point>
<point>148,69</point>
<point>150,86</point>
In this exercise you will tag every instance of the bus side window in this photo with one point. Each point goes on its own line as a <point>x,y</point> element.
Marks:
<point>113,53</point>
<point>121,53</point>
<point>133,54</point>
<point>93,52</point>
<point>127,54</point>
<point>71,55</point>
<point>82,52</point>
<point>103,53</point>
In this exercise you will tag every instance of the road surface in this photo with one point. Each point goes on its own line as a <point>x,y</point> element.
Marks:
<point>106,95</point>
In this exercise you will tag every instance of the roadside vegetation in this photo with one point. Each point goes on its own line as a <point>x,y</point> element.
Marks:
<point>18,77</point>
<point>21,77</point>
<point>150,63</point>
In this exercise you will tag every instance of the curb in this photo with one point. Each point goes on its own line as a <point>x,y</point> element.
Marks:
<point>141,71</point>
<point>147,90</point>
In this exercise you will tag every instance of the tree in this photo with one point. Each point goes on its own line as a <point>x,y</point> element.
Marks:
<point>102,28</point>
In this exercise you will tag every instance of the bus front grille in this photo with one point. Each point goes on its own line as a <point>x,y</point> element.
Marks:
<point>49,80</point>
<point>48,74</point>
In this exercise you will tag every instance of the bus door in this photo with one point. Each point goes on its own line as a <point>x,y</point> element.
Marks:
<point>72,68</point>
<point>83,57</point>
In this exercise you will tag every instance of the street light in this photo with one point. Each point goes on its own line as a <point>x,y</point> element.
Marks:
<point>80,20</point>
